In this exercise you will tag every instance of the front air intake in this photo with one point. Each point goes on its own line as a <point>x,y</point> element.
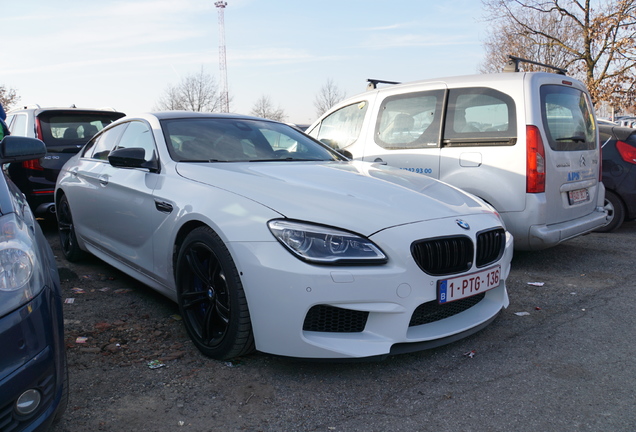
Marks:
<point>444,255</point>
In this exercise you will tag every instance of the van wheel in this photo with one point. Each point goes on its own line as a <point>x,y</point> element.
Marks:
<point>615,210</point>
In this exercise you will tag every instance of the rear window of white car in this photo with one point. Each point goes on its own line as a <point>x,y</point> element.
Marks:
<point>479,116</point>
<point>410,121</point>
<point>475,116</point>
<point>567,116</point>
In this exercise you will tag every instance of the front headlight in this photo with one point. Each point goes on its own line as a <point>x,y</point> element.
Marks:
<point>20,274</point>
<point>324,245</point>
<point>16,266</point>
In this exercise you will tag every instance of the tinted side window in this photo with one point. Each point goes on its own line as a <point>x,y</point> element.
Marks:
<point>410,120</point>
<point>341,128</point>
<point>567,117</point>
<point>480,116</point>
<point>138,135</point>
<point>101,145</point>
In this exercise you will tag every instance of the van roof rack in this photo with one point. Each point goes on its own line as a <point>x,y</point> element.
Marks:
<point>513,65</point>
<point>373,83</point>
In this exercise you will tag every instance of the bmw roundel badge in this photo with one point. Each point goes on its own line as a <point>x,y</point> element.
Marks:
<point>463,224</point>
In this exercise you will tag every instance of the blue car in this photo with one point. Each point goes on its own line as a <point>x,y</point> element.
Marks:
<point>33,370</point>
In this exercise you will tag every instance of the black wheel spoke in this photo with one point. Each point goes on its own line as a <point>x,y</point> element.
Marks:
<point>193,299</point>
<point>198,266</point>
<point>223,313</point>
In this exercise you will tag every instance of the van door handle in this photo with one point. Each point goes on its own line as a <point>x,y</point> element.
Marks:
<point>103,180</point>
<point>380,161</point>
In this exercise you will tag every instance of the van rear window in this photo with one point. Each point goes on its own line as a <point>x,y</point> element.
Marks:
<point>567,117</point>
<point>480,116</point>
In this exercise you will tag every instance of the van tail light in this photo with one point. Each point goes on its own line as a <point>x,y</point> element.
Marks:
<point>33,164</point>
<point>627,152</point>
<point>535,161</point>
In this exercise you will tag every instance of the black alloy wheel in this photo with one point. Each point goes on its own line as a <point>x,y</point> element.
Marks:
<point>211,297</point>
<point>66,231</point>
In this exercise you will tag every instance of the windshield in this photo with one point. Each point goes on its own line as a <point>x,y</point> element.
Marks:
<point>240,140</point>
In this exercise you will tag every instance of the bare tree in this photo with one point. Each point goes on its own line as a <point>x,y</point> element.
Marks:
<point>196,92</point>
<point>592,39</point>
<point>328,96</point>
<point>8,97</point>
<point>265,108</point>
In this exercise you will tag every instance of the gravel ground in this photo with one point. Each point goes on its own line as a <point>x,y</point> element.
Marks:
<point>559,358</point>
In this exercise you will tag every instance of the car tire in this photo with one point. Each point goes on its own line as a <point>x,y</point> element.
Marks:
<point>66,231</point>
<point>616,211</point>
<point>211,298</point>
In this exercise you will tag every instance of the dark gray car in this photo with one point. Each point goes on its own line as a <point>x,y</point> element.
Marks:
<point>64,131</point>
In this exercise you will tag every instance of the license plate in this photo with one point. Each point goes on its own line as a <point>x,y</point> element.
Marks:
<point>449,290</point>
<point>579,195</point>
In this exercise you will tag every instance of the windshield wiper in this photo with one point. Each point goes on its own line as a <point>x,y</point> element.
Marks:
<point>575,138</point>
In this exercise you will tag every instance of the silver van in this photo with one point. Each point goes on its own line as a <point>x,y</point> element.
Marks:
<point>525,142</point>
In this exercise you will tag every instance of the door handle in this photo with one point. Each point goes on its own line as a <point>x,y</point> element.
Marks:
<point>163,207</point>
<point>103,180</point>
<point>380,161</point>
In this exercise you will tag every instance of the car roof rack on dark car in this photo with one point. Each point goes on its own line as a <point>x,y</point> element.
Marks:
<point>513,65</point>
<point>373,83</point>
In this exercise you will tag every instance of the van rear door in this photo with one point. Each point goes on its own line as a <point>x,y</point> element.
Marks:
<point>571,151</point>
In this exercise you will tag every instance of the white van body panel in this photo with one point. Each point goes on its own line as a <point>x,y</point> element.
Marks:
<point>496,171</point>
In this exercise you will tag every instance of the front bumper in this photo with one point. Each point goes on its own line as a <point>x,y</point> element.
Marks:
<point>281,290</point>
<point>33,358</point>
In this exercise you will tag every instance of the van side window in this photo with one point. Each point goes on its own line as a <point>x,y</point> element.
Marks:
<point>568,120</point>
<point>480,116</point>
<point>410,121</point>
<point>341,128</point>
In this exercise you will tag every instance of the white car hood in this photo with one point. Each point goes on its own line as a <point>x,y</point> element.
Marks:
<point>359,196</point>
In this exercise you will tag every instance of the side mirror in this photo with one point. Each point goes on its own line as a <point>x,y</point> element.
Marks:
<point>346,153</point>
<point>17,148</point>
<point>134,157</point>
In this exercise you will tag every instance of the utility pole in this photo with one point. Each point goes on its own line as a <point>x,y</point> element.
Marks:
<point>225,100</point>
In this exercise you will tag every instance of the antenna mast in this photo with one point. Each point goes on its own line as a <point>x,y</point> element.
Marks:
<point>225,100</point>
